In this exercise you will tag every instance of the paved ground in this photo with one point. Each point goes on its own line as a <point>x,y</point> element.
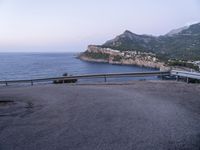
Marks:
<point>138,116</point>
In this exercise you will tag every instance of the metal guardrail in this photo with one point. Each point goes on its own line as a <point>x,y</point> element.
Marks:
<point>186,74</point>
<point>105,76</point>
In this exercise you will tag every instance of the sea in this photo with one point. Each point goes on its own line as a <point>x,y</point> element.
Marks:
<point>20,66</point>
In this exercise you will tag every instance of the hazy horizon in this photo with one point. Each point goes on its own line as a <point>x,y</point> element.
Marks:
<point>63,26</point>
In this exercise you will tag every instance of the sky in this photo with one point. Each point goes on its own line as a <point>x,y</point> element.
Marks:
<point>71,25</point>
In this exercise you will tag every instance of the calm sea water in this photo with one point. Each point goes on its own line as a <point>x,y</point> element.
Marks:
<point>41,65</point>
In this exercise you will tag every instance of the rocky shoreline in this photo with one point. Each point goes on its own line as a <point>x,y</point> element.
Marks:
<point>107,55</point>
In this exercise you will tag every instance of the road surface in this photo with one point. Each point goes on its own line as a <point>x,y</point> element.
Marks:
<point>136,116</point>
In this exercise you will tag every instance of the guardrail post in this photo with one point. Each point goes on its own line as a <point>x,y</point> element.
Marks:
<point>105,79</point>
<point>177,78</point>
<point>162,77</point>
<point>188,80</point>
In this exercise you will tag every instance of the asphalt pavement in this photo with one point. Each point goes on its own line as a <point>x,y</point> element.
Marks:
<point>141,115</point>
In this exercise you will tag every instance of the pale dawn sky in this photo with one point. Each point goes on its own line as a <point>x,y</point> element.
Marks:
<point>71,25</point>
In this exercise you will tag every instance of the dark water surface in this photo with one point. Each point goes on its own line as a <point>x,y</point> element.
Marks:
<point>41,65</point>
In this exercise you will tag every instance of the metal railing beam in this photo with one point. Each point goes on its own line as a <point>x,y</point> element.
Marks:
<point>105,76</point>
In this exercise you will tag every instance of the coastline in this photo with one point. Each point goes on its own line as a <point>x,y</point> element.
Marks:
<point>107,55</point>
<point>159,66</point>
<point>141,59</point>
<point>111,63</point>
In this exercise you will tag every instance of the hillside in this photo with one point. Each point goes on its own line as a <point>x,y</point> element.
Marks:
<point>181,44</point>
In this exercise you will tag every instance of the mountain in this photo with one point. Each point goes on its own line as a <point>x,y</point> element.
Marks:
<point>181,44</point>
<point>131,41</point>
<point>176,31</point>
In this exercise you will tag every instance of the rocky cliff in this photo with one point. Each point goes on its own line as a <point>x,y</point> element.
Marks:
<point>108,55</point>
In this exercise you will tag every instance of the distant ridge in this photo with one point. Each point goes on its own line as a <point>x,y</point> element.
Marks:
<point>176,31</point>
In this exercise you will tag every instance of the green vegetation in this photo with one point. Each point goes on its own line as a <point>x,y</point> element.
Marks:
<point>117,58</point>
<point>97,55</point>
